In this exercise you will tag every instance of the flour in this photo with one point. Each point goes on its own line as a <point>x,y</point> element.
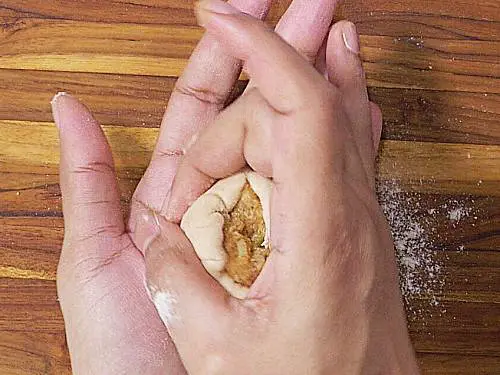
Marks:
<point>165,304</point>
<point>421,245</point>
<point>420,270</point>
<point>456,214</point>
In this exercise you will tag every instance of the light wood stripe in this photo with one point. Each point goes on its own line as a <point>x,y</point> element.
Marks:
<point>19,273</point>
<point>32,147</point>
<point>162,50</point>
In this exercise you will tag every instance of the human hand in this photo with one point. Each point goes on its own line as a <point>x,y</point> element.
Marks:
<point>111,325</point>
<point>327,300</point>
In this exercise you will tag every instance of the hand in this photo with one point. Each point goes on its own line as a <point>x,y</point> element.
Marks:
<point>112,327</point>
<point>327,300</point>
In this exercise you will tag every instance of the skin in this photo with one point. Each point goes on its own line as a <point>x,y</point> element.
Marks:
<point>327,300</point>
<point>354,322</point>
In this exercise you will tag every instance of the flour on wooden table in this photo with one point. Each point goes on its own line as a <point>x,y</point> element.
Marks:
<point>420,270</point>
<point>413,221</point>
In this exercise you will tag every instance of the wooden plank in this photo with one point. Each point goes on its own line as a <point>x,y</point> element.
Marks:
<point>451,222</point>
<point>32,147</point>
<point>29,305</point>
<point>115,99</point>
<point>440,167</point>
<point>417,115</point>
<point>450,364</point>
<point>455,327</point>
<point>33,353</point>
<point>25,194</point>
<point>452,65</point>
<point>39,143</point>
<point>31,247</point>
<point>446,19</point>
<point>147,11</point>
<point>470,66</point>
<point>439,116</point>
<point>433,66</point>
<point>443,19</point>
<point>173,12</point>
<point>98,47</point>
<point>32,194</point>
<point>472,276</point>
<point>458,327</point>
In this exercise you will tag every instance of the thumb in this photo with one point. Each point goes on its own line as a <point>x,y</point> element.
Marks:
<point>192,305</point>
<point>91,198</point>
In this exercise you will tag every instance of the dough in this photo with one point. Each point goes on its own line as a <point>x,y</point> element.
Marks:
<point>228,227</point>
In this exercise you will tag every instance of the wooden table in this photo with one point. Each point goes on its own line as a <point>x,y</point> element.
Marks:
<point>434,68</point>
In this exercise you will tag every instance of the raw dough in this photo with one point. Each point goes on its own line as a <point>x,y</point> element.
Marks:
<point>228,227</point>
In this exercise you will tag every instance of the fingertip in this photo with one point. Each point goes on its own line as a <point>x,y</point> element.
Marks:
<point>56,104</point>
<point>206,9</point>
<point>342,55</point>
<point>146,227</point>
<point>350,37</point>
<point>69,111</point>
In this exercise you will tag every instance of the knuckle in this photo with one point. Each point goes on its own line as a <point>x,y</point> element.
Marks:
<point>201,94</point>
<point>97,233</point>
<point>81,261</point>
<point>93,167</point>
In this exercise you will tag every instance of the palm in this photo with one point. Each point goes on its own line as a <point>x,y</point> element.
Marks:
<point>125,331</point>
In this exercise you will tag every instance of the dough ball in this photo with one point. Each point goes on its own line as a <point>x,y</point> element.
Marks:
<point>228,227</point>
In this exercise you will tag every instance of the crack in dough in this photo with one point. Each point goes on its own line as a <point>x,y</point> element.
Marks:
<point>244,231</point>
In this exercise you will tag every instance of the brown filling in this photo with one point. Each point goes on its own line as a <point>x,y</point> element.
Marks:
<point>244,231</point>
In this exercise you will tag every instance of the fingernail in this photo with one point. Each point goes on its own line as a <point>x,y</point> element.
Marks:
<point>351,39</point>
<point>147,229</point>
<point>205,8</point>
<point>55,107</point>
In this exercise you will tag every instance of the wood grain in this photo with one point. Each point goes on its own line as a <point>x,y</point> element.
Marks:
<point>32,147</point>
<point>162,50</point>
<point>444,19</point>
<point>128,100</point>
<point>173,12</point>
<point>447,19</point>
<point>432,66</point>
<point>34,353</point>
<point>434,364</point>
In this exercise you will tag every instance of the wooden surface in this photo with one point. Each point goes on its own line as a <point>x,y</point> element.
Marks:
<point>433,66</point>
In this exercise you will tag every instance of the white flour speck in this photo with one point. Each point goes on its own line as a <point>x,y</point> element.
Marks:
<point>456,214</point>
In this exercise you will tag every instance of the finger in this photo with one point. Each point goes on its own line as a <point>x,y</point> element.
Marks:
<point>199,94</point>
<point>268,59</point>
<point>312,131</point>
<point>346,72</point>
<point>305,25</point>
<point>376,120</point>
<point>312,146</point>
<point>240,136</point>
<point>91,199</point>
<point>192,305</point>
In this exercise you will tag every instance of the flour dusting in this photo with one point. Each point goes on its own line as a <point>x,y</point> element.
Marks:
<point>420,270</point>
<point>421,242</point>
<point>456,214</point>
<point>165,305</point>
